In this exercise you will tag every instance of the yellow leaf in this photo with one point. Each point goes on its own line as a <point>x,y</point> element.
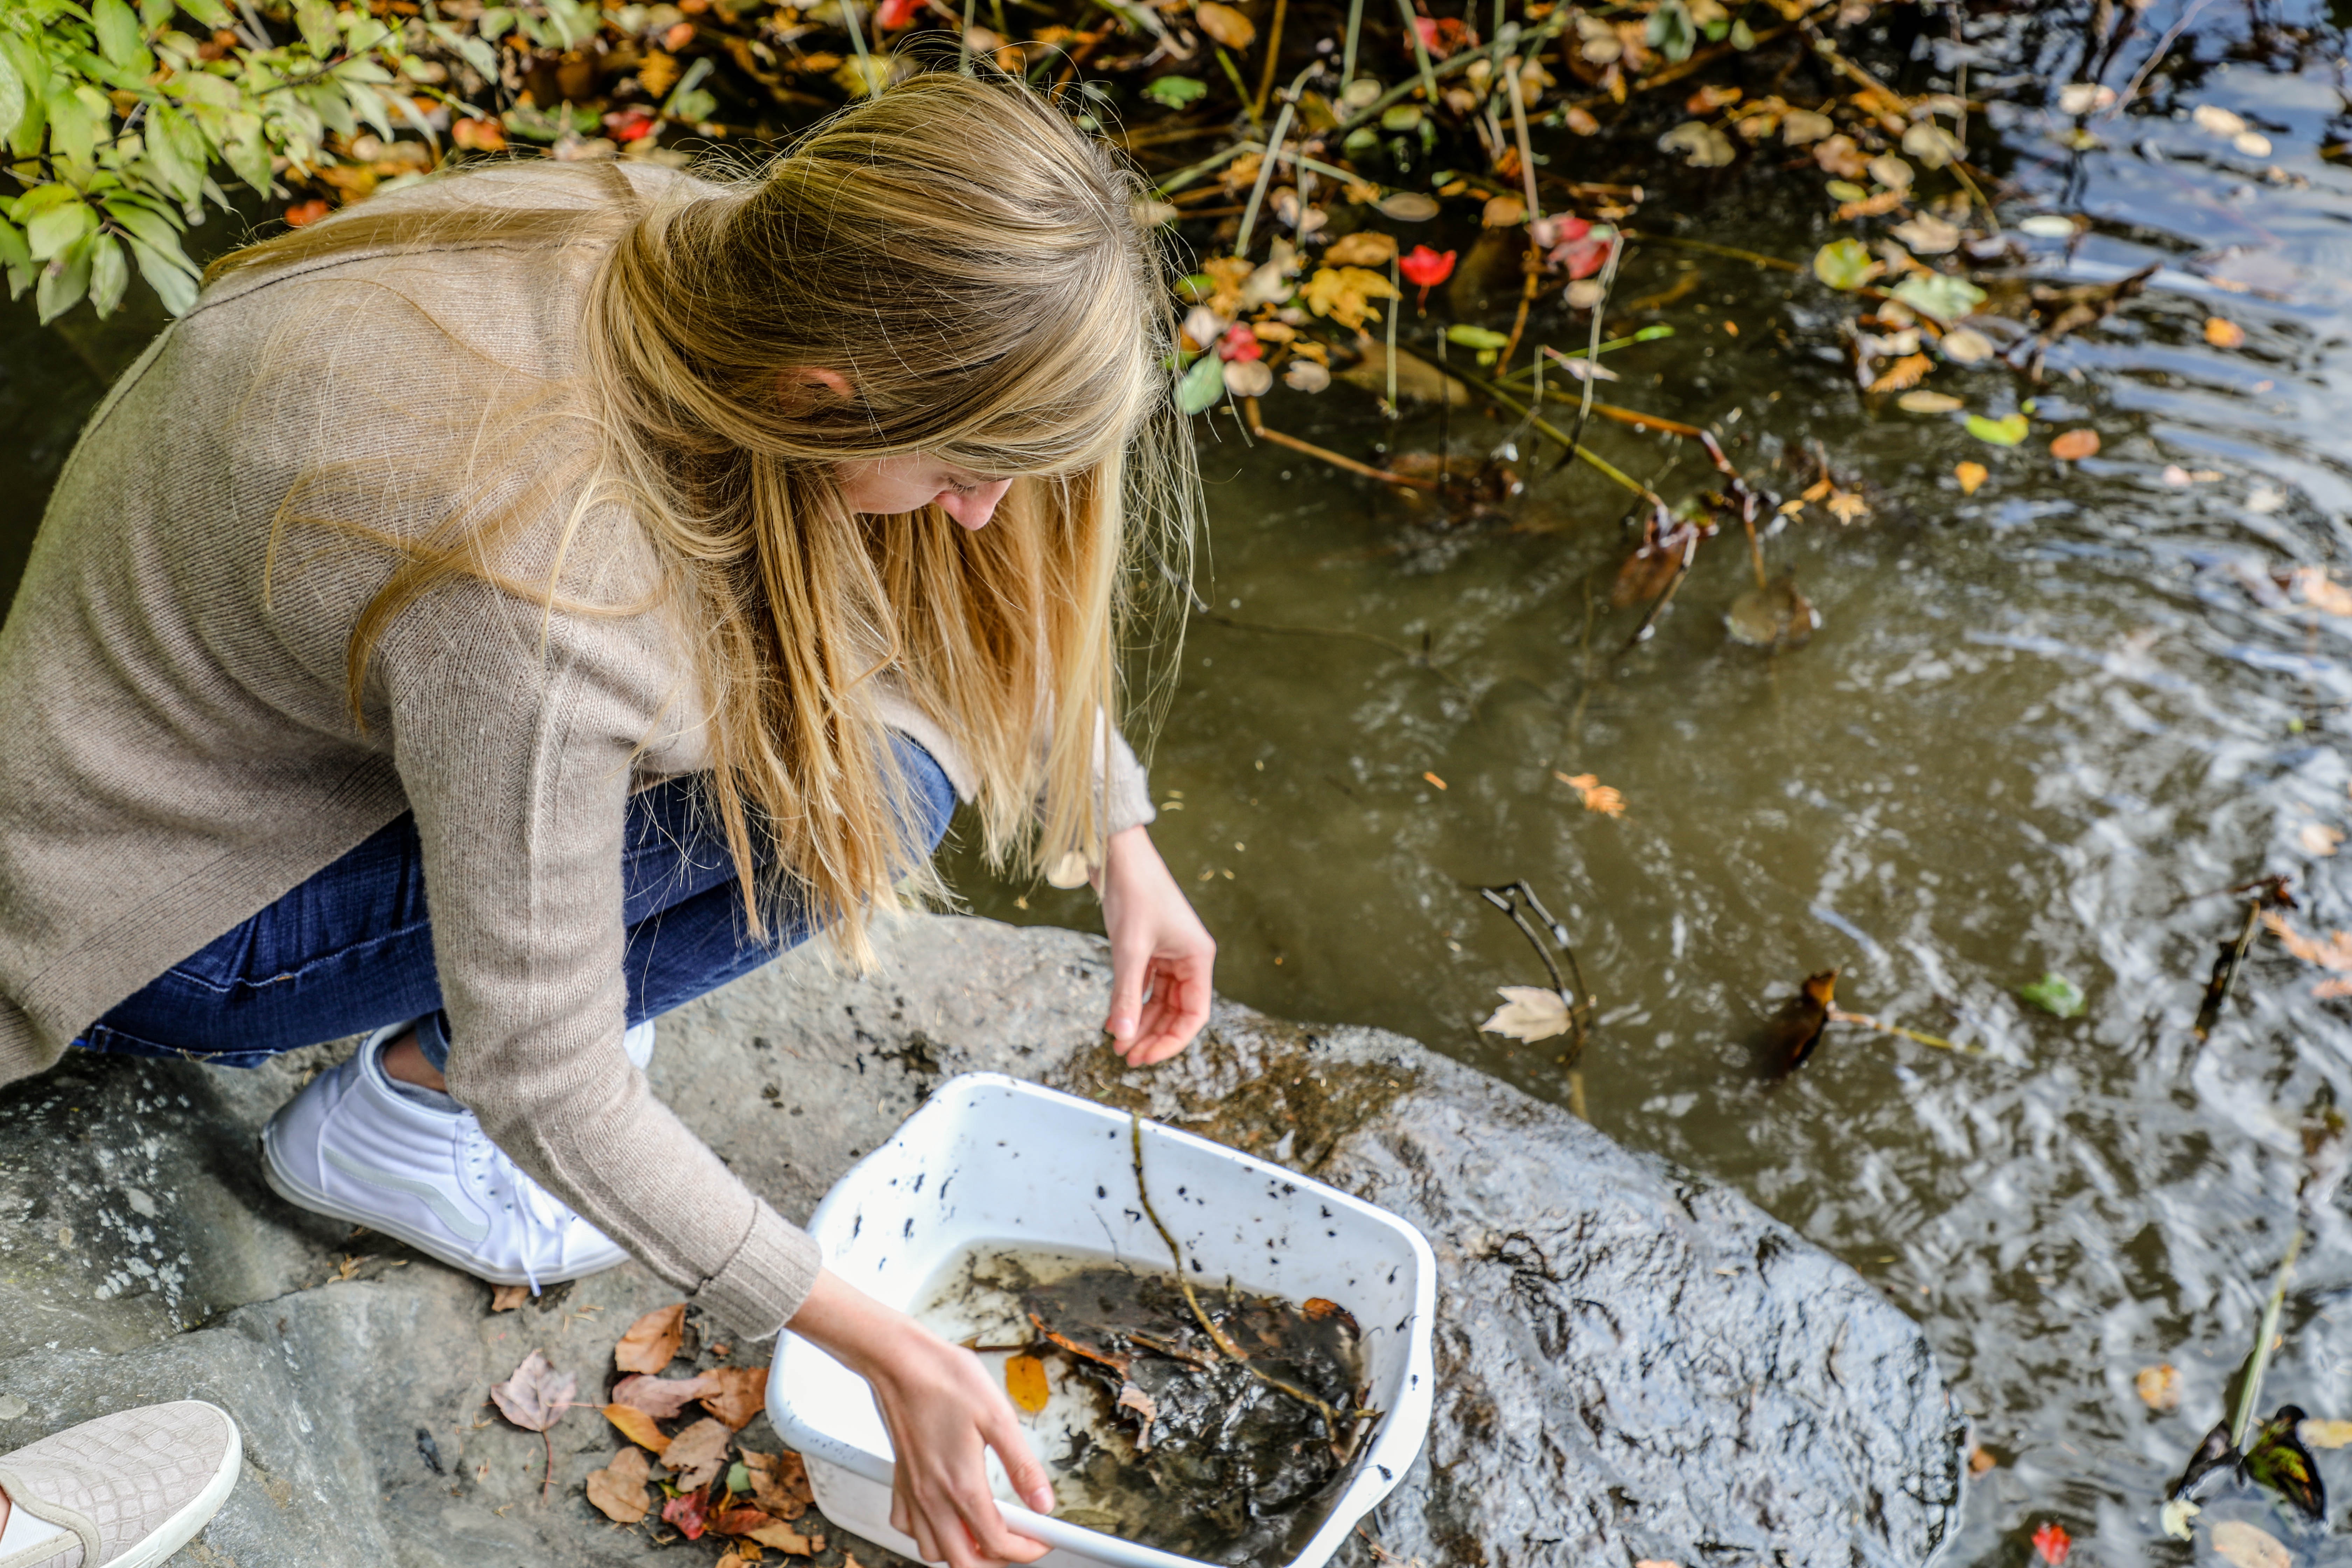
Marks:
<point>2316,1433</point>
<point>1432,778</point>
<point>1365,248</point>
<point>1024,1379</point>
<point>1225,24</point>
<point>2247,1546</point>
<point>1528,1013</point>
<point>638,1427</point>
<point>1597,796</point>
<point>2315,588</point>
<point>1970,476</point>
<point>1847,507</point>
<point>2223,333</point>
<point>2159,1386</point>
<point>1346,293</point>
<point>1925,402</point>
<point>1503,212</point>
<point>1905,373</point>
<point>2334,953</point>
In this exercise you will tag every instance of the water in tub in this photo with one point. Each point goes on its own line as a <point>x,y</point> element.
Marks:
<point>1149,1430</point>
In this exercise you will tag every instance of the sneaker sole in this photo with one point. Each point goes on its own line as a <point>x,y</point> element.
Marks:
<point>195,1514</point>
<point>302,1196</point>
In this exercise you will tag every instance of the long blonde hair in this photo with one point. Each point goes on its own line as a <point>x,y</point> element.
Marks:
<point>973,266</point>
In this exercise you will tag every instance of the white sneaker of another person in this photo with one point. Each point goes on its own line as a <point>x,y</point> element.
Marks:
<point>126,1490</point>
<point>417,1166</point>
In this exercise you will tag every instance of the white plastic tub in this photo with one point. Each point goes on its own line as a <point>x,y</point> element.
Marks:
<point>992,1160</point>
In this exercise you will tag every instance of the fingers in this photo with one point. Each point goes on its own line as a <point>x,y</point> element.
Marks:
<point>1020,1465</point>
<point>1130,964</point>
<point>1179,1005</point>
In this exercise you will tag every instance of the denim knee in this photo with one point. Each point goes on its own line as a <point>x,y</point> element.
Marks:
<point>932,797</point>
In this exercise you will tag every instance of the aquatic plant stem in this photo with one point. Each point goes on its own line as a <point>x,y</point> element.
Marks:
<point>963,39</point>
<point>1273,55</point>
<point>857,42</point>
<point>1592,351</point>
<point>1420,54</point>
<point>2250,1393</point>
<point>1241,90</point>
<point>1562,438</point>
<point>1334,1421</point>
<point>1347,51</point>
<point>1257,427</point>
<point>1272,162</point>
<point>1533,264</point>
<point>1839,1016</point>
<point>1396,296</point>
<point>1549,27</point>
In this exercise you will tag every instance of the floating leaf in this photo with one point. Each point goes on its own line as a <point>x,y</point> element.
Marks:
<point>1365,248</point>
<point>636,1427</point>
<point>1980,1459</point>
<point>1471,337</point>
<point>2249,1546</point>
<point>1789,1039</point>
<point>1939,294</point>
<point>1701,144</point>
<point>1408,206</point>
<point>1846,264</point>
<point>535,1397</point>
<point>1907,372</point>
<point>2325,1433</point>
<point>1225,24</point>
<point>1503,212</point>
<point>2005,431</point>
<point>2073,446</point>
<point>1931,144</point>
<point>1528,1013</point>
<point>2223,333</point>
<point>1925,402</point>
<point>1891,171</point>
<point>2054,994</point>
<point>1775,616</point>
<point>1202,385</point>
<point>1345,294</point>
<point>1249,378</point>
<point>696,1456</point>
<point>1596,795</point>
<point>2159,1386</point>
<point>1305,375</point>
<point>618,1490</point>
<point>2175,1517</point>
<point>2084,97</point>
<point>2212,117</point>
<point>1927,235</point>
<point>1799,127</point>
<point>2051,1543</point>
<point>1965,345</point>
<point>1175,91</point>
<point>2334,954</point>
<point>652,1340</point>
<point>1024,1379</point>
<point>1970,476</point>
<point>2253,143</point>
<point>2047,225</point>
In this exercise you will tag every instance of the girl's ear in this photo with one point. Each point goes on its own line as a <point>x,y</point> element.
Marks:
<point>806,390</point>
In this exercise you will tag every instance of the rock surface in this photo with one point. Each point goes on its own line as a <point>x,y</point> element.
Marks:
<point>1632,1366</point>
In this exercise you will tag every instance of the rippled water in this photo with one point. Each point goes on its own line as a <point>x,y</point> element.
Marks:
<point>2034,723</point>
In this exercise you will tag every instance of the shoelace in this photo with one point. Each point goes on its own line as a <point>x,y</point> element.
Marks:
<point>544,1217</point>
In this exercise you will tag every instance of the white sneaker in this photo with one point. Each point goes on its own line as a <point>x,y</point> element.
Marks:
<point>352,1145</point>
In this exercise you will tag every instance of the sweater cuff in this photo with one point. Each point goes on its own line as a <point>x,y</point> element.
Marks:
<point>1126,789</point>
<point>771,1273</point>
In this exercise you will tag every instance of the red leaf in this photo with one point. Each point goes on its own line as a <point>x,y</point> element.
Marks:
<point>690,1511</point>
<point>895,14</point>
<point>1426,266</point>
<point>1240,342</point>
<point>739,1521</point>
<point>1441,36</point>
<point>301,213</point>
<point>2052,1542</point>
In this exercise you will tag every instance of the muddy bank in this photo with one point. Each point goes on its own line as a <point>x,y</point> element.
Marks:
<point>1633,1364</point>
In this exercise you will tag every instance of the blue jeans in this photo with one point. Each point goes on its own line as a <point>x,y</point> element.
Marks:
<point>352,949</point>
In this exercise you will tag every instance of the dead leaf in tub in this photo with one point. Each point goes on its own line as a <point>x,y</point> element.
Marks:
<point>660,1397</point>
<point>535,1397</point>
<point>2224,333</point>
<point>1024,1379</point>
<point>2316,1433</point>
<point>1904,373</point>
<point>618,1489</point>
<point>1597,796</point>
<point>696,1456</point>
<point>1130,1398</point>
<point>737,1394</point>
<point>636,1427</point>
<point>1528,1013</point>
<point>1365,248</point>
<point>2248,1547</point>
<point>2159,1386</point>
<point>779,1483</point>
<point>652,1340</point>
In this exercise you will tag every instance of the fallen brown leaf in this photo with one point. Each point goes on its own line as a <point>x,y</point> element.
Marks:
<point>2159,1386</point>
<point>661,1397</point>
<point>536,1396</point>
<point>507,1298</point>
<point>618,1489</point>
<point>737,1394</point>
<point>779,1483</point>
<point>652,1340</point>
<point>696,1456</point>
<point>1597,796</point>
<point>2073,446</point>
<point>1904,373</point>
<point>636,1427</point>
<point>784,1538</point>
<point>2333,952</point>
<point>2321,592</point>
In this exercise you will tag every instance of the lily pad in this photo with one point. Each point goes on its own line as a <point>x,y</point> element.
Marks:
<point>2054,994</point>
<point>1775,616</point>
<point>1846,264</point>
<point>1939,294</point>
<point>1409,206</point>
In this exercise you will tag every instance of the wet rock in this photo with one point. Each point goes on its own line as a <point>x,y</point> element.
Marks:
<point>1632,1366</point>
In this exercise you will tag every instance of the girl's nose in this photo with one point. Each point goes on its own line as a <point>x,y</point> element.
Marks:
<point>975,507</point>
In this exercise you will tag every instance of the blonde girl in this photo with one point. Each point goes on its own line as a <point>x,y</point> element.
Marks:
<point>520,604</point>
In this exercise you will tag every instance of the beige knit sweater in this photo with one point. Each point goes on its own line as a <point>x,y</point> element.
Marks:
<point>179,752</point>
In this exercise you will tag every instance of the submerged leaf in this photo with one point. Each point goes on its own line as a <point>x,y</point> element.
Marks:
<point>1529,1012</point>
<point>1970,476</point>
<point>2073,446</point>
<point>2223,333</point>
<point>1925,402</point>
<point>2324,1434</point>
<point>1789,1039</point>
<point>2159,1386</point>
<point>2249,1546</point>
<point>1846,264</point>
<point>2051,1543</point>
<point>1225,24</point>
<point>2054,994</point>
<point>1597,796</point>
<point>1024,1379</point>
<point>1775,616</point>
<point>1939,294</point>
<point>1202,385</point>
<point>2005,431</point>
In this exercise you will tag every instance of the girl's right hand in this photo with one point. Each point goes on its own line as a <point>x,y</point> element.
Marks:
<point>944,1412</point>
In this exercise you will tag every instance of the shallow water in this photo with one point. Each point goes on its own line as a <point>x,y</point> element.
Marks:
<point>2034,723</point>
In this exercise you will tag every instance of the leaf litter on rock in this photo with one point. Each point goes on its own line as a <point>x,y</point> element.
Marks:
<point>653,1340</point>
<point>618,1490</point>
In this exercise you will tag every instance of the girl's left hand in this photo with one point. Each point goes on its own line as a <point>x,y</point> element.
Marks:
<point>1161,956</point>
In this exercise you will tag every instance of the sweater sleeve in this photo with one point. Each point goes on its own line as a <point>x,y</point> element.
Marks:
<point>515,753</point>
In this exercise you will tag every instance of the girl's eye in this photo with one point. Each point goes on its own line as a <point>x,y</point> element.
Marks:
<point>961,488</point>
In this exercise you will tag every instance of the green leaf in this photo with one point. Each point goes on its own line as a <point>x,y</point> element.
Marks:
<point>2004,432</point>
<point>1669,31</point>
<point>1471,337</point>
<point>176,151</point>
<point>495,22</point>
<point>2054,993</point>
<point>120,36</point>
<point>155,14</point>
<point>1743,37</point>
<point>316,18</point>
<point>246,153</point>
<point>60,228</point>
<point>1203,385</point>
<point>144,224</point>
<point>172,277</point>
<point>1176,92</point>
<point>1846,264</point>
<point>1939,294</point>
<point>109,274</point>
<point>63,285</point>
<point>14,253</point>
<point>73,130</point>
<point>12,95</point>
<point>40,199</point>
<point>211,13</point>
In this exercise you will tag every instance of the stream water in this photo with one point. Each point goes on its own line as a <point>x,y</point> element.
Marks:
<point>2034,723</point>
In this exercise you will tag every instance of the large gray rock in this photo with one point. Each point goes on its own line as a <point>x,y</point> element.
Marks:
<point>1631,1365</point>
